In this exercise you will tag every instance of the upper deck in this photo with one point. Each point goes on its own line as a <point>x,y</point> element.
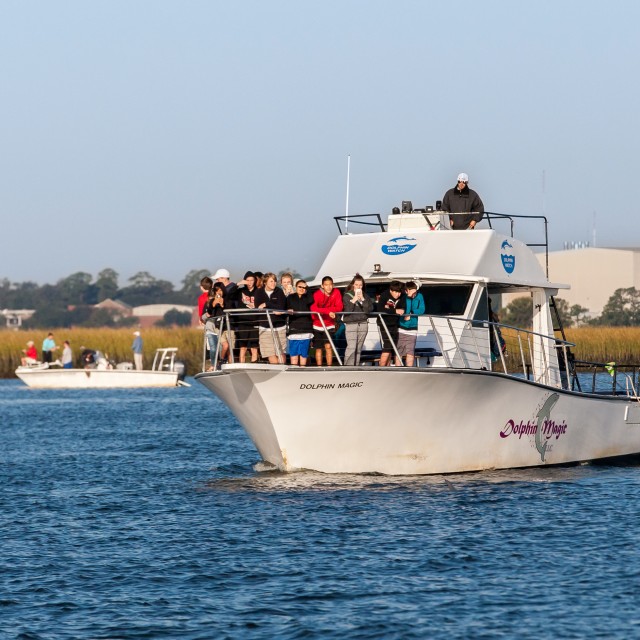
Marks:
<point>421,246</point>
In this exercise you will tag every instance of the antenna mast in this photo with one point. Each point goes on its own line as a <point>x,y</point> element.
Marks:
<point>346,226</point>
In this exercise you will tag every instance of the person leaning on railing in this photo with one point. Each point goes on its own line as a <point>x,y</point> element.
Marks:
<point>389,306</point>
<point>327,302</point>
<point>272,297</point>
<point>413,305</point>
<point>358,305</point>
<point>300,325</point>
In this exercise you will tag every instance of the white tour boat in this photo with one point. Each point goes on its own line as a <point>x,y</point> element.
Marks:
<point>465,406</point>
<point>165,371</point>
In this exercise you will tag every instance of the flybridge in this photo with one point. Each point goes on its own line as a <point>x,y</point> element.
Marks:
<point>421,245</point>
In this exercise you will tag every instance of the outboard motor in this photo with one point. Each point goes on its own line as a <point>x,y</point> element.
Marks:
<point>181,369</point>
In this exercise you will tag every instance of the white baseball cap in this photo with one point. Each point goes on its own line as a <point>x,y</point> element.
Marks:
<point>136,333</point>
<point>463,177</point>
<point>221,273</point>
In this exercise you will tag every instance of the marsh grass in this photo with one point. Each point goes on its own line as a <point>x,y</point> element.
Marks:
<point>116,343</point>
<point>594,344</point>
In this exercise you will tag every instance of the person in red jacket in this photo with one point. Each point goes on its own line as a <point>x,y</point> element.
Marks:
<point>30,354</point>
<point>327,301</point>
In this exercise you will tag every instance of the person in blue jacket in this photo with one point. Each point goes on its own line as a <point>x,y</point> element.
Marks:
<point>413,305</point>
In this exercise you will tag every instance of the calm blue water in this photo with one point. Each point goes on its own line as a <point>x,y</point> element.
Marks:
<point>138,514</point>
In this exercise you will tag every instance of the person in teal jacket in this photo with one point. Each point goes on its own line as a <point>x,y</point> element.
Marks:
<point>413,305</point>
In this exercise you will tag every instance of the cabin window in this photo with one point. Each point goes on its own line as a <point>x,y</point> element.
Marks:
<point>446,299</point>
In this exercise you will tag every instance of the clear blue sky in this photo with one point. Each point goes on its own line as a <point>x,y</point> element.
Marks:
<point>170,135</point>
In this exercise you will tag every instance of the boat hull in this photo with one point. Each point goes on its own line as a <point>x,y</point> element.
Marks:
<point>419,421</point>
<point>95,378</point>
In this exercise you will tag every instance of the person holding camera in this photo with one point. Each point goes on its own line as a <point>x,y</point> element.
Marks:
<point>358,305</point>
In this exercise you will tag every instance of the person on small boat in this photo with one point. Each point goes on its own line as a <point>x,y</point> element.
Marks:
<point>389,305</point>
<point>246,323</point>
<point>48,347</point>
<point>300,324</point>
<point>136,347</point>
<point>358,305</point>
<point>413,305</point>
<point>30,354</point>
<point>67,356</point>
<point>327,302</point>
<point>463,205</point>
<point>88,358</point>
<point>272,297</point>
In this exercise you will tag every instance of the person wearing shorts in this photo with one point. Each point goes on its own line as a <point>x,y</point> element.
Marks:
<point>273,330</point>
<point>300,325</point>
<point>327,303</point>
<point>413,304</point>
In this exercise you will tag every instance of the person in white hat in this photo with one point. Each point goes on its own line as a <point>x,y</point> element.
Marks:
<point>230,302</point>
<point>136,347</point>
<point>463,205</point>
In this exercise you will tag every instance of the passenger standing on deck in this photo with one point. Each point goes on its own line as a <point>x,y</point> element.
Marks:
<point>205,287</point>
<point>48,347</point>
<point>273,343</point>
<point>413,305</point>
<point>327,301</point>
<point>137,350</point>
<point>213,318</point>
<point>464,205</point>
<point>300,324</point>
<point>246,323</point>
<point>389,306</point>
<point>356,322</point>
<point>286,282</point>
<point>67,356</point>
<point>230,302</point>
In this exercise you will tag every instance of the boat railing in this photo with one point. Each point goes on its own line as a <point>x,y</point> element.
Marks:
<point>494,220</point>
<point>610,377</point>
<point>441,342</point>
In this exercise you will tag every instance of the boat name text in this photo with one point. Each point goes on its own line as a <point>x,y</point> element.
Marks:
<point>548,428</point>
<point>331,385</point>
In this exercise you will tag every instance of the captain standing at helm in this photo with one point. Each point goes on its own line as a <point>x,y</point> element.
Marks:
<point>463,205</point>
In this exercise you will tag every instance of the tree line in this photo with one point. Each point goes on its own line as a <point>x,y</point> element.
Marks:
<point>622,310</point>
<point>70,301</point>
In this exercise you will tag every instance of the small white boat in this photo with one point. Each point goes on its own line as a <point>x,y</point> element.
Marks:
<point>466,406</point>
<point>165,371</point>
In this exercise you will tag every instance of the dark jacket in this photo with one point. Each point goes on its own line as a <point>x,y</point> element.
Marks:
<point>387,305</point>
<point>277,301</point>
<point>359,309</point>
<point>300,323</point>
<point>463,202</point>
<point>213,316</point>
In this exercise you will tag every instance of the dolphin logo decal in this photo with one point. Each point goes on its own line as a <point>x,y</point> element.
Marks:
<point>544,414</point>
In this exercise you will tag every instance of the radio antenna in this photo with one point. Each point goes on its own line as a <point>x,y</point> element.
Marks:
<point>346,207</point>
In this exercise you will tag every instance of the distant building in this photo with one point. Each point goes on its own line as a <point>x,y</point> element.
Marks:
<point>15,317</point>
<point>594,274</point>
<point>149,314</point>
<point>117,308</point>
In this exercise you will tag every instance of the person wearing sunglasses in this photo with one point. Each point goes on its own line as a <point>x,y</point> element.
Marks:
<point>463,205</point>
<point>300,324</point>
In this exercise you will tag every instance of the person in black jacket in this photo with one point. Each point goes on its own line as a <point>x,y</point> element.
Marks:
<point>388,304</point>
<point>272,298</point>
<point>464,205</point>
<point>300,324</point>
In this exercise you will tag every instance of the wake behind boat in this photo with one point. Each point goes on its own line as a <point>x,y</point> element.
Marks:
<point>482,395</point>
<point>165,371</point>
